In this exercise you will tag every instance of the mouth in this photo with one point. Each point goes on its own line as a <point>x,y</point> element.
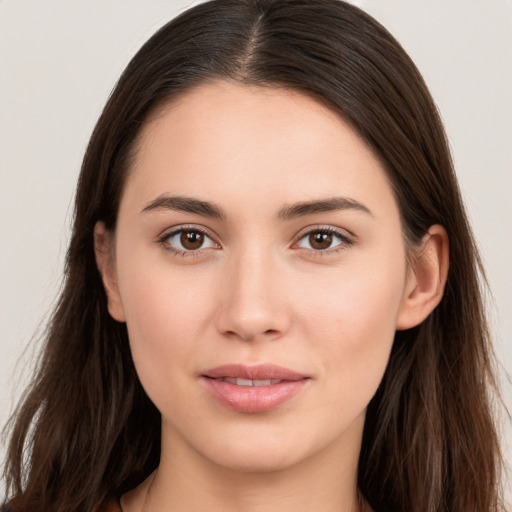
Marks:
<point>249,382</point>
<point>253,389</point>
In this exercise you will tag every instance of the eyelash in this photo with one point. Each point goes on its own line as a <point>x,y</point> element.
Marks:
<point>345,241</point>
<point>164,241</point>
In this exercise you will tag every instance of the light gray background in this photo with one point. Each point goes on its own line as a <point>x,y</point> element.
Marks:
<point>60,59</point>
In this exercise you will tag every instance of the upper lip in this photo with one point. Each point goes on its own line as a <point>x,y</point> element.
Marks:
<point>255,372</point>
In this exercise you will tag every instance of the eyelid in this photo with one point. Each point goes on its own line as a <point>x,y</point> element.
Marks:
<point>347,239</point>
<point>163,238</point>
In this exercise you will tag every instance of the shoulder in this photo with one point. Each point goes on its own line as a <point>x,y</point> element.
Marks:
<point>108,506</point>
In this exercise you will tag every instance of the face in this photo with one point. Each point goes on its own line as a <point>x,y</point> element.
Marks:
<point>259,264</point>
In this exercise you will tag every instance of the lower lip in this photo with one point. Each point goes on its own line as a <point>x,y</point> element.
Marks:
<point>253,399</point>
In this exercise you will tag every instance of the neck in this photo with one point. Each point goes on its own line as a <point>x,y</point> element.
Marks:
<point>186,481</point>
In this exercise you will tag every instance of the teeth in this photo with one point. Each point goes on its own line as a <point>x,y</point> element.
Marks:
<point>261,382</point>
<point>249,382</point>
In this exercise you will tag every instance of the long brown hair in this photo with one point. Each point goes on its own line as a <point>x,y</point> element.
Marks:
<point>86,429</point>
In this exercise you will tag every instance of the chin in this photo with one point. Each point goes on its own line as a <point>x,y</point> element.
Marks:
<point>255,462</point>
<point>254,456</point>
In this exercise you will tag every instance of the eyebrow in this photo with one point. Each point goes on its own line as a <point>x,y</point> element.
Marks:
<point>320,206</point>
<point>211,210</point>
<point>186,204</point>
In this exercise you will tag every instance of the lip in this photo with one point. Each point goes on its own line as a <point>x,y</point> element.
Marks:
<point>253,399</point>
<point>255,372</point>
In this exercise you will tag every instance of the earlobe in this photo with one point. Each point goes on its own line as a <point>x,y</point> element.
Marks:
<point>426,280</point>
<point>104,253</point>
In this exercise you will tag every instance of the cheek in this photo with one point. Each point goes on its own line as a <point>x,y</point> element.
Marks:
<point>163,309</point>
<point>351,317</point>
<point>165,314</point>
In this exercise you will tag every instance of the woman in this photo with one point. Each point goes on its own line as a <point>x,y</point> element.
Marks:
<point>272,296</point>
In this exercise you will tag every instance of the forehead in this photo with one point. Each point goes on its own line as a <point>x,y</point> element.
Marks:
<point>233,140</point>
<point>230,105</point>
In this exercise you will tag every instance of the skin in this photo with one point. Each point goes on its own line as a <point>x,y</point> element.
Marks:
<point>258,291</point>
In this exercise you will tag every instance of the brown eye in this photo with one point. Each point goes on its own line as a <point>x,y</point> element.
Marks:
<point>188,241</point>
<point>191,240</point>
<point>320,240</point>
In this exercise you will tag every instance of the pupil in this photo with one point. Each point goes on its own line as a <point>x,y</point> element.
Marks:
<point>320,240</point>
<point>191,239</point>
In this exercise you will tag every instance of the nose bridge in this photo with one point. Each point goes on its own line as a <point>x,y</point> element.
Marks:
<point>252,303</point>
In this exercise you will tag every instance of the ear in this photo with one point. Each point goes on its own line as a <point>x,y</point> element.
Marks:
<point>105,261</point>
<point>426,279</point>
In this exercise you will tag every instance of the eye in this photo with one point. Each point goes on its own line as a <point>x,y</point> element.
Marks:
<point>187,240</point>
<point>323,239</point>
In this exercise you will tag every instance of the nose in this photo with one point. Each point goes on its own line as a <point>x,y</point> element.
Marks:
<point>252,301</point>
